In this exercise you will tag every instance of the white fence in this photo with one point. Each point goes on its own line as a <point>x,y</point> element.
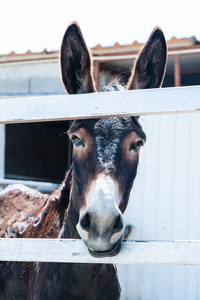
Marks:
<point>96,105</point>
<point>74,251</point>
<point>145,102</point>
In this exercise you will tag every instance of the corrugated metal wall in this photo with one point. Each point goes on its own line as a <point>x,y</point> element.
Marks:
<point>165,205</point>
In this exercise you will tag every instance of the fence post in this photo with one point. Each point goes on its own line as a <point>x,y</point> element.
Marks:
<point>2,150</point>
<point>177,72</point>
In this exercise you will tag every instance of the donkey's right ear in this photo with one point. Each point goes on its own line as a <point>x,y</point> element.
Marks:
<point>76,65</point>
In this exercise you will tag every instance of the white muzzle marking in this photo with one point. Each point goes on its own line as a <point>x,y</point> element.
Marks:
<point>102,204</point>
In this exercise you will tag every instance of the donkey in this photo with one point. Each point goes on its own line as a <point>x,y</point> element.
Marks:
<point>91,201</point>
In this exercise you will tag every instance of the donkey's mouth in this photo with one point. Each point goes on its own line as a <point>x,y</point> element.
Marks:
<point>111,252</point>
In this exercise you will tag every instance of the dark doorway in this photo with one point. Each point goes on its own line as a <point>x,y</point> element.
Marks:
<point>37,151</point>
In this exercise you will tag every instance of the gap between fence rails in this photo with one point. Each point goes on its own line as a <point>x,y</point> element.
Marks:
<point>69,250</point>
<point>97,105</point>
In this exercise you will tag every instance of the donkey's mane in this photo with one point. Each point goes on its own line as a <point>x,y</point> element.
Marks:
<point>114,86</point>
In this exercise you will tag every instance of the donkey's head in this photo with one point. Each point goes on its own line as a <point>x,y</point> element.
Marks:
<point>105,151</point>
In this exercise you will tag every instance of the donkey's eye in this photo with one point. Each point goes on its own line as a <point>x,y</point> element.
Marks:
<point>136,146</point>
<point>76,141</point>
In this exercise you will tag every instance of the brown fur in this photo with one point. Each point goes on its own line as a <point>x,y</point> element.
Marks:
<point>19,209</point>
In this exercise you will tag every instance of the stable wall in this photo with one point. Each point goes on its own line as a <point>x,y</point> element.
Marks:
<point>165,201</point>
<point>41,78</point>
<point>165,205</point>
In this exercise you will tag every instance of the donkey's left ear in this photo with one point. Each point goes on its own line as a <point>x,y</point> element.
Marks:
<point>149,69</point>
<point>76,65</point>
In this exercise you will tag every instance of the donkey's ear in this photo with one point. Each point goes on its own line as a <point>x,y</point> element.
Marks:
<point>150,65</point>
<point>76,65</point>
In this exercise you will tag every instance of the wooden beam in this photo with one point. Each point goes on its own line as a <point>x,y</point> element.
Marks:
<point>177,72</point>
<point>125,56</point>
<point>133,252</point>
<point>96,74</point>
<point>96,105</point>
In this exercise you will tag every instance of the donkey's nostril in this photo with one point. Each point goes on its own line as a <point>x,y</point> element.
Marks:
<point>118,225</point>
<point>85,222</point>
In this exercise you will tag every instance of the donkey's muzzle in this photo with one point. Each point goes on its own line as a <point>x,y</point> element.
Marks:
<point>109,253</point>
<point>102,237</point>
<point>101,222</point>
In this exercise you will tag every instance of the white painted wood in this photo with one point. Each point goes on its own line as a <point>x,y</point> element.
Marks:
<point>66,250</point>
<point>138,102</point>
<point>2,150</point>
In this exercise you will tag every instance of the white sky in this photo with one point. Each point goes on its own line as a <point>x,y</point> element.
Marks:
<point>39,24</point>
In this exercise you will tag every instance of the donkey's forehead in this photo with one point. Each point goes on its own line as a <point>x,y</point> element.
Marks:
<point>109,126</point>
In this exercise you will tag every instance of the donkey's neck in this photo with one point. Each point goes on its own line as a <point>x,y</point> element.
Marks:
<point>69,227</point>
<point>75,281</point>
<point>71,216</point>
<point>96,281</point>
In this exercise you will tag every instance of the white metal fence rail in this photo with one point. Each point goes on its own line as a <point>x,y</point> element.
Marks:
<point>96,105</point>
<point>140,102</point>
<point>133,252</point>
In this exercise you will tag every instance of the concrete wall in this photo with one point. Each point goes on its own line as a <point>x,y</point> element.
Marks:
<point>35,78</point>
